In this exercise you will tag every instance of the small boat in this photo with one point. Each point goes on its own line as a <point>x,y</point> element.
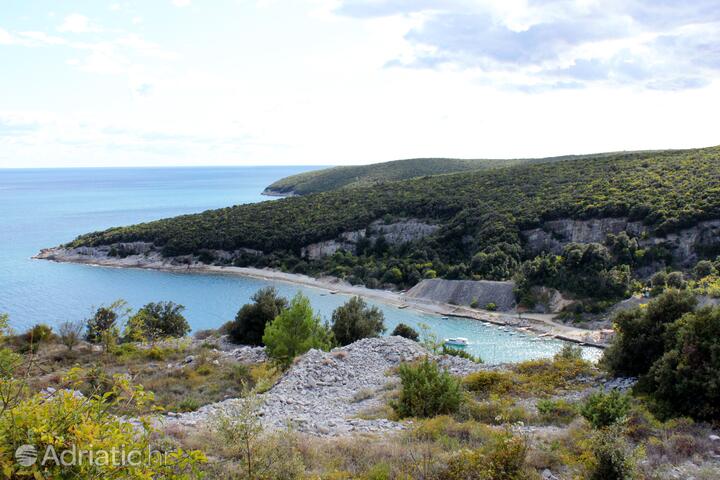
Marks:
<point>444,318</point>
<point>402,307</point>
<point>457,342</point>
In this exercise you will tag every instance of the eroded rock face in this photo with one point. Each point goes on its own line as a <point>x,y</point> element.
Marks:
<point>555,234</point>
<point>465,292</point>
<point>394,233</point>
<point>686,245</point>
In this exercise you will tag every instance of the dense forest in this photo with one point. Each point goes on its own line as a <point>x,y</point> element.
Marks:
<point>480,215</point>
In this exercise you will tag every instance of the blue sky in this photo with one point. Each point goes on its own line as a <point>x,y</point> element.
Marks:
<point>185,82</point>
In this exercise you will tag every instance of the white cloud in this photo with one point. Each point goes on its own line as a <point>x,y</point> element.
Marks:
<point>181,3</point>
<point>76,23</point>
<point>5,37</point>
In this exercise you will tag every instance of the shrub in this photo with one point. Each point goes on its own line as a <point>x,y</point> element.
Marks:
<point>67,421</point>
<point>569,352</point>
<point>676,280</point>
<point>355,320</point>
<point>295,331</point>
<point>613,457</point>
<point>456,352</point>
<point>31,340</point>
<point>250,322</point>
<point>502,459</point>
<point>603,409</point>
<point>640,333</point>
<point>406,331</point>
<point>155,321</point>
<point>491,306</point>
<point>556,412</point>
<point>426,391</point>
<point>489,382</point>
<point>685,380</point>
<point>70,333</point>
<point>102,327</point>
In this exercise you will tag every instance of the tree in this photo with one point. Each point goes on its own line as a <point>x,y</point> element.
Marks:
<point>685,380</point>
<point>250,322</point>
<point>406,331</point>
<point>102,327</point>
<point>641,333</point>
<point>355,320</point>
<point>295,331</point>
<point>70,333</point>
<point>427,391</point>
<point>155,321</point>
<point>603,409</point>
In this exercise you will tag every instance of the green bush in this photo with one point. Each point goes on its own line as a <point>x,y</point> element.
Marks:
<point>295,331</point>
<point>156,321</point>
<point>406,331</point>
<point>556,412</point>
<point>614,459</point>
<point>685,380</point>
<point>427,390</point>
<point>503,458</point>
<point>641,333</point>
<point>250,322</point>
<point>355,320</point>
<point>603,409</point>
<point>488,382</point>
<point>456,352</point>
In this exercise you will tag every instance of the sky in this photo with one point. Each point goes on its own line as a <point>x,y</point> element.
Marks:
<point>337,82</point>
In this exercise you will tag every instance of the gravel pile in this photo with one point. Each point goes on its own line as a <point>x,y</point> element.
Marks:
<point>323,393</point>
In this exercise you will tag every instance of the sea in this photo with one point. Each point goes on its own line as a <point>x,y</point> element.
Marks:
<point>42,208</point>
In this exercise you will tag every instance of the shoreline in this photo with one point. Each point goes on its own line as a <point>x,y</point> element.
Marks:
<point>528,323</point>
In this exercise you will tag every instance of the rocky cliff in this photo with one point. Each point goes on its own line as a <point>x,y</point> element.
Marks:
<point>686,245</point>
<point>394,233</point>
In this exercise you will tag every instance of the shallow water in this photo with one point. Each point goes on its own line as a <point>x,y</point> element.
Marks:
<point>42,208</point>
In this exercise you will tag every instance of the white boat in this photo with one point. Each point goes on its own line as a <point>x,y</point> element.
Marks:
<point>457,342</point>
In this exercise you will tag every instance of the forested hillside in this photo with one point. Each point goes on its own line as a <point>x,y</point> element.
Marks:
<point>480,214</point>
<point>359,175</point>
<point>378,173</point>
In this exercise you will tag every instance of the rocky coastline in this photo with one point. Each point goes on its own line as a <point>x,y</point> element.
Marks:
<point>149,258</point>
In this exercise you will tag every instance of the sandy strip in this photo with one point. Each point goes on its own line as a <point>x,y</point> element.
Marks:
<point>532,323</point>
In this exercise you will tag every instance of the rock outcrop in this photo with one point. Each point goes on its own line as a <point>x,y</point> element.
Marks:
<point>686,245</point>
<point>394,233</point>
<point>466,292</point>
<point>324,393</point>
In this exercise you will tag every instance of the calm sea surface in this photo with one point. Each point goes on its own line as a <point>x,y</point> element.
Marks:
<point>43,208</point>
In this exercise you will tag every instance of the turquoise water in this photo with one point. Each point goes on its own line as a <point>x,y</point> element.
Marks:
<point>42,208</point>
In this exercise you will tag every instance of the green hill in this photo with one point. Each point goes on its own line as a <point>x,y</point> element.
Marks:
<point>360,175</point>
<point>477,218</point>
<point>378,173</point>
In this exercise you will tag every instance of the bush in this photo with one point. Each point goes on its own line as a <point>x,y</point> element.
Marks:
<point>603,409</point>
<point>355,320</point>
<point>456,352</point>
<point>640,333</point>
<point>502,459</point>
<point>66,421</point>
<point>156,321</point>
<point>489,382</point>
<point>31,340</point>
<point>250,322</point>
<point>295,331</point>
<point>556,412</point>
<point>427,390</point>
<point>685,380</point>
<point>102,327</point>
<point>406,331</point>
<point>70,333</point>
<point>614,459</point>
<point>491,306</point>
